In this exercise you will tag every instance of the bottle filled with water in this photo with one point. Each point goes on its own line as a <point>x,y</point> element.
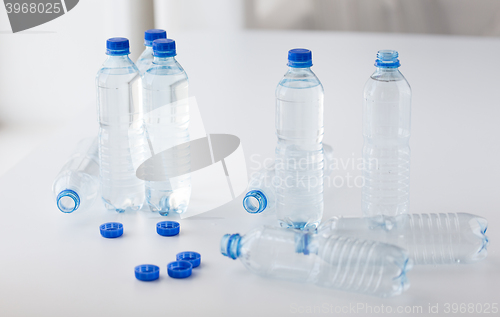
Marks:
<point>443,238</point>
<point>299,152</point>
<point>146,58</point>
<point>77,184</point>
<point>261,192</point>
<point>386,133</point>
<point>121,129</point>
<point>165,92</point>
<point>341,263</point>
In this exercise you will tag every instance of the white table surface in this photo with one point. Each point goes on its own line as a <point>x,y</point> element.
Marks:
<point>53,264</point>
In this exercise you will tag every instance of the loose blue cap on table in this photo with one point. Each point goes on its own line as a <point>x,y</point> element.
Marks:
<point>117,46</point>
<point>179,269</point>
<point>168,228</point>
<point>147,272</point>
<point>154,34</point>
<point>111,229</point>
<point>192,257</point>
<point>164,48</point>
<point>387,59</point>
<point>300,58</point>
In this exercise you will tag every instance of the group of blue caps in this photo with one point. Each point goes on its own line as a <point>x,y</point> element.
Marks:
<point>162,47</point>
<point>181,268</point>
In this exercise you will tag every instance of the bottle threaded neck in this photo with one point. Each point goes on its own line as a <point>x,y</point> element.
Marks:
<point>387,59</point>
<point>68,201</point>
<point>255,202</point>
<point>230,245</point>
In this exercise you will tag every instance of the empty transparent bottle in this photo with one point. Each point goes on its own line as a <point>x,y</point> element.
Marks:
<point>429,238</point>
<point>165,90</point>
<point>121,129</point>
<point>386,133</point>
<point>299,152</point>
<point>261,193</point>
<point>331,261</point>
<point>77,184</point>
<point>145,60</point>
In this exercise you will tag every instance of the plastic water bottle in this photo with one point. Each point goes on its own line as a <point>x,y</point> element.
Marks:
<point>76,185</point>
<point>386,132</point>
<point>121,128</point>
<point>429,238</point>
<point>261,194</point>
<point>165,90</point>
<point>299,152</point>
<point>331,261</point>
<point>146,59</point>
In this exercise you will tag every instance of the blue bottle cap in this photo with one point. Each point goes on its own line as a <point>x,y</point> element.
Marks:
<point>168,228</point>
<point>147,272</point>
<point>179,269</point>
<point>153,34</point>
<point>111,229</point>
<point>387,59</point>
<point>68,201</point>
<point>117,46</point>
<point>300,58</point>
<point>164,48</point>
<point>192,257</point>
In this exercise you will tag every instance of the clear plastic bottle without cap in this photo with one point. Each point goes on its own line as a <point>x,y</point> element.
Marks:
<point>146,58</point>
<point>77,184</point>
<point>386,133</point>
<point>336,262</point>
<point>443,238</point>
<point>122,140</point>
<point>261,193</point>
<point>166,91</point>
<point>299,152</point>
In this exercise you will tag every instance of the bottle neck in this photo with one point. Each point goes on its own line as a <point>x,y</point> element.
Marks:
<point>164,60</point>
<point>118,58</point>
<point>299,70</point>
<point>230,245</point>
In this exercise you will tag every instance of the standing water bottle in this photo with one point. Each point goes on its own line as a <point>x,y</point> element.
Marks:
<point>261,194</point>
<point>146,58</point>
<point>121,130</point>
<point>386,133</point>
<point>331,261</point>
<point>299,152</point>
<point>165,91</point>
<point>429,238</point>
<point>77,183</point>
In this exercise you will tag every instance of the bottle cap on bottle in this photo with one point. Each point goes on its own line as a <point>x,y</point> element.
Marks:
<point>387,59</point>
<point>300,58</point>
<point>154,34</point>
<point>147,272</point>
<point>164,48</point>
<point>179,269</point>
<point>117,46</point>
<point>111,229</point>
<point>192,257</point>
<point>168,228</point>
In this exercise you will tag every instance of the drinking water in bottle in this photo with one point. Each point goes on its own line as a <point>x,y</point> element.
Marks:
<point>261,193</point>
<point>299,152</point>
<point>146,58</point>
<point>121,128</point>
<point>337,262</point>
<point>386,133</point>
<point>165,91</point>
<point>76,185</point>
<point>442,238</point>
